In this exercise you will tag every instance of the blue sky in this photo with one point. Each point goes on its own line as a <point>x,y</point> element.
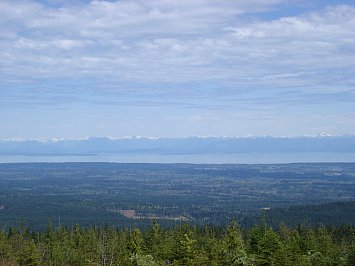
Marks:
<point>176,68</point>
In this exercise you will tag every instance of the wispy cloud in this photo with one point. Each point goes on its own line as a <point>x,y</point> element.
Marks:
<point>152,40</point>
<point>222,55</point>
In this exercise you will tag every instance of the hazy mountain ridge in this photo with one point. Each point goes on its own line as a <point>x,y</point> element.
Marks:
<point>190,145</point>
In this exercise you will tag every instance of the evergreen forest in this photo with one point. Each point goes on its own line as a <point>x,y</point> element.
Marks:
<point>179,245</point>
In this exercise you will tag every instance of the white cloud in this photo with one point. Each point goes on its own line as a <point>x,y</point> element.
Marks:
<point>177,41</point>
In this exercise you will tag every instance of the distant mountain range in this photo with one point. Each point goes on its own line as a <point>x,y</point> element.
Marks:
<point>190,145</point>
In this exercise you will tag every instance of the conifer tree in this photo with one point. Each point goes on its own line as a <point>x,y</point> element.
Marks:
<point>233,246</point>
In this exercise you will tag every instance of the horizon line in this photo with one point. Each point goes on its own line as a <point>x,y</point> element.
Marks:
<point>59,139</point>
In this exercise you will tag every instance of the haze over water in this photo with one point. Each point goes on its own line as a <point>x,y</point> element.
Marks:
<point>242,158</point>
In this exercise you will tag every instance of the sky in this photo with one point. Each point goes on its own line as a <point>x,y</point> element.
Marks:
<point>176,68</point>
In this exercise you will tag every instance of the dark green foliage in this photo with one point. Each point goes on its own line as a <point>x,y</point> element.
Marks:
<point>334,213</point>
<point>181,245</point>
<point>350,257</point>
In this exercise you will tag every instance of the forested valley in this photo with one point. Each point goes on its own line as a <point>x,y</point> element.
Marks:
<point>93,194</point>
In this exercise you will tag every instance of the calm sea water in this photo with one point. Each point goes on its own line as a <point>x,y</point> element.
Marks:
<point>243,158</point>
